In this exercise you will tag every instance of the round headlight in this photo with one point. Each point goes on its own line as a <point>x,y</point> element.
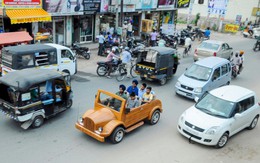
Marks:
<point>100,129</point>
<point>212,130</point>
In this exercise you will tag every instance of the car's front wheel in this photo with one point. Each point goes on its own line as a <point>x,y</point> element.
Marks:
<point>117,135</point>
<point>223,140</point>
<point>253,123</point>
<point>155,117</point>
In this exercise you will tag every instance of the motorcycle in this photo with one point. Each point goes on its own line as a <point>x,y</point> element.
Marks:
<point>103,67</point>
<point>81,51</point>
<point>257,46</point>
<point>197,33</point>
<point>235,70</point>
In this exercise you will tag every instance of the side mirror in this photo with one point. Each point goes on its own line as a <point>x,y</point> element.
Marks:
<point>237,116</point>
<point>127,110</point>
<point>214,78</point>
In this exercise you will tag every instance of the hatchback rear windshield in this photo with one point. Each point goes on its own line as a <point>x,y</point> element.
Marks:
<point>210,46</point>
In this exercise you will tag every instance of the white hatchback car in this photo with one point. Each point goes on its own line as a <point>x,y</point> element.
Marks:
<point>219,114</point>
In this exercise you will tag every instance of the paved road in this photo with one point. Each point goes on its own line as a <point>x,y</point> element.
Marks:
<point>58,141</point>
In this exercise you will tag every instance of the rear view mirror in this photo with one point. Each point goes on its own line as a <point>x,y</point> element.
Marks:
<point>196,99</point>
<point>237,116</point>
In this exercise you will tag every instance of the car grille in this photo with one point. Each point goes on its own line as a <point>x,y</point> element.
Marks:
<point>186,87</point>
<point>89,124</point>
<point>194,136</point>
<point>194,127</point>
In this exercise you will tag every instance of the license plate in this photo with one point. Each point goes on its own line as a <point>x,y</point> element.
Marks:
<point>192,132</point>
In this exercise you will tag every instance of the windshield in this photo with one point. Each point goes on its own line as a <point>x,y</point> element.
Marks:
<point>198,72</point>
<point>110,102</point>
<point>215,106</point>
<point>209,46</point>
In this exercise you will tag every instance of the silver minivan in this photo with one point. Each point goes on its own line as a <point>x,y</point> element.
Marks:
<point>204,75</point>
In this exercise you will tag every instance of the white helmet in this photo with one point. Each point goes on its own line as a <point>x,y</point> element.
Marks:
<point>113,49</point>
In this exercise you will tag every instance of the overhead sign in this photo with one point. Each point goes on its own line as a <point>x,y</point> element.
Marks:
<point>218,7</point>
<point>183,3</point>
<point>92,5</point>
<point>21,3</point>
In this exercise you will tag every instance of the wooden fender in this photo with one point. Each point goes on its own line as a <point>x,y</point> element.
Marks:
<point>151,113</point>
<point>110,127</point>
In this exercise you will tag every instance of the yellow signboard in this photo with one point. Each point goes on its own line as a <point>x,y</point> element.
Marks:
<point>255,10</point>
<point>231,28</point>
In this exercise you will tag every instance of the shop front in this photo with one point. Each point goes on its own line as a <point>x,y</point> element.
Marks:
<point>21,17</point>
<point>83,28</point>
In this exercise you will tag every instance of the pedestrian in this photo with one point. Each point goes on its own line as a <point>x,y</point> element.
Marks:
<point>132,102</point>
<point>101,40</point>
<point>124,31</point>
<point>133,87</point>
<point>242,59</point>
<point>147,96</point>
<point>126,59</point>
<point>109,61</point>
<point>153,37</point>
<point>109,38</point>
<point>129,29</point>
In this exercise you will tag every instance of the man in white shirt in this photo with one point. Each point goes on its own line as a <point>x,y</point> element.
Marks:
<point>126,59</point>
<point>101,40</point>
<point>129,29</point>
<point>188,43</point>
<point>124,31</point>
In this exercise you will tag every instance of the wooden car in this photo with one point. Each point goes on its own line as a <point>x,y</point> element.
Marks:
<point>110,117</point>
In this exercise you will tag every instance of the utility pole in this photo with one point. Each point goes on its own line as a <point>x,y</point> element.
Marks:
<point>116,6</point>
<point>122,13</point>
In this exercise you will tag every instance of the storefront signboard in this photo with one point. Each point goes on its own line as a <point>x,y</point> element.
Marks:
<point>231,28</point>
<point>63,7</point>
<point>218,7</point>
<point>166,4</point>
<point>92,5</point>
<point>126,2</point>
<point>183,3</point>
<point>13,4</point>
<point>238,19</point>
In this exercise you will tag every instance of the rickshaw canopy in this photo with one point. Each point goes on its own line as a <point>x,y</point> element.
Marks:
<point>22,80</point>
<point>163,50</point>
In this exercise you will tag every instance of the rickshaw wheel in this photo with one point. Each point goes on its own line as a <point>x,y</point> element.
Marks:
<point>38,121</point>
<point>163,81</point>
<point>69,104</point>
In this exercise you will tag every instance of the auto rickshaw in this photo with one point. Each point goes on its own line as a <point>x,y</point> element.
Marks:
<point>31,95</point>
<point>157,63</point>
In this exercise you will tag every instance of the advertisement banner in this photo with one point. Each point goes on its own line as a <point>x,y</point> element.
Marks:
<point>92,5</point>
<point>218,7</point>
<point>166,4</point>
<point>64,7</point>
<point>183,3</point>
<point>147,4</point>
<point>104,6</point>
<point>231,28</point>
<point>22,3</point>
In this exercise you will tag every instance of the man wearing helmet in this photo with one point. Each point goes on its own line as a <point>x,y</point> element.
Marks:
<point>109,61</point>
<point>126,59</point>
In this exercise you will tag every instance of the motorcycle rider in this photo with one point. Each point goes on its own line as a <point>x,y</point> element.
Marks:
<point>207,33</point>
<point>242,58</point>
<point>109,61</point>
<point>236,60</point>
<point>126,59</point>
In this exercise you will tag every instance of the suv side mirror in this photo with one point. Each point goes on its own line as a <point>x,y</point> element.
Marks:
<point>237,116</point>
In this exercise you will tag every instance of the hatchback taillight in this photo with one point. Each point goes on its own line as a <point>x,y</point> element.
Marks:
<point>196,51</point>
<point>214,54</point>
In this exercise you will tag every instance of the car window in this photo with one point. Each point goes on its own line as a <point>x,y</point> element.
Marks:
<point>216,73</point>
<point>224,69</point>
<point>66,54</point>
<point>198,72</point>
<point>245,104</point>
<point>111,102</point>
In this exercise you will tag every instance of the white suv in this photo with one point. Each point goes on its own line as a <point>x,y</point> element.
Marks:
<point>219,114</point>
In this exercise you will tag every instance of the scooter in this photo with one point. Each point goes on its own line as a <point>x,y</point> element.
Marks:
<point>81,51</point>
<point>234,72</point>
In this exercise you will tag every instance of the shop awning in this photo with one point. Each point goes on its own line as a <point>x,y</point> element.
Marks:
<point>18,16</point>
<point>14,37</point>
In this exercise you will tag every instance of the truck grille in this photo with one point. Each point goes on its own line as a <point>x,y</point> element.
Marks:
<point>89,124</point>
